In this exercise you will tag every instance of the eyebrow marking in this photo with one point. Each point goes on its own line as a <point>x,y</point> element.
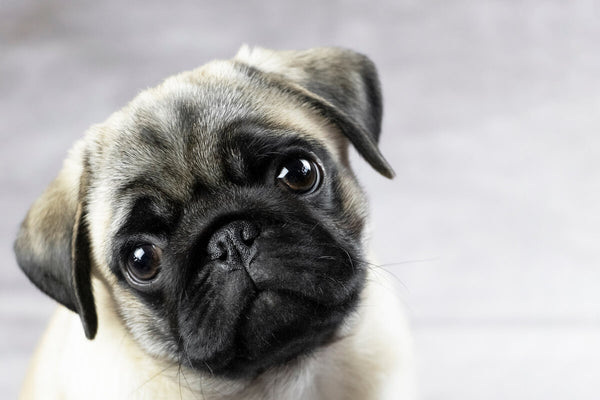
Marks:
<point>249,147</point>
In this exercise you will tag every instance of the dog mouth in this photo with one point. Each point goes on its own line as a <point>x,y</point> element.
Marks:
<point>274,328</point>
<point>262,302</point>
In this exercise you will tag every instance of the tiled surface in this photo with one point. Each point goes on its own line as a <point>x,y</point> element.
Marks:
<point>491,122</point>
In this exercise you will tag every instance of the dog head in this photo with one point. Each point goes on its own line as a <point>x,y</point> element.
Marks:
<point>219,210</point>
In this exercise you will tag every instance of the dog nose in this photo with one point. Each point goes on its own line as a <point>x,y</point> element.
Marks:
<point>234,243</point>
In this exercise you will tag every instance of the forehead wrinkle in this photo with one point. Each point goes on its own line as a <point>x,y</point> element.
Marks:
<point>142,186</point>
<point>177,133</point>
<point>200,120</point>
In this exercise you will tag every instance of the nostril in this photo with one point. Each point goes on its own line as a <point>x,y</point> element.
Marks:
<point>249,233</point>
<point>221,253</point>
<point>217,249</point>
<point>233,241</point>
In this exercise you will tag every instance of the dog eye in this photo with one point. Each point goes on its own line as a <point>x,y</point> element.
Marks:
<point>144,263</point>
<point>299,175</point>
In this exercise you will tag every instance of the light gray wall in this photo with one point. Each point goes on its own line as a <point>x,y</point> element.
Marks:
<point>492,112</point>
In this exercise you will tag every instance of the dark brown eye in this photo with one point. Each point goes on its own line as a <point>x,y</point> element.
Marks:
<point>144,263</point>
<point>299,175</point>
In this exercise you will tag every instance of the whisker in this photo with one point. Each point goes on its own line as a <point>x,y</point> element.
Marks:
<point>179,368</point>
<point>209,368</point>
<point>372,266</point>
<point>152,378</point>
<point>189,387</point>
<point>380,268</point>
<point>179,379</point>
<point>417,261</point>
<point>185,352</point>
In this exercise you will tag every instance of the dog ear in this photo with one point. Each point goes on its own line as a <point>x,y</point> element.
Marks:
<point>341,84</point>
<point>52,246</point>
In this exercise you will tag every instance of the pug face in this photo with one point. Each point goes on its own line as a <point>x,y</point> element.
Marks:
<point>219,210</point>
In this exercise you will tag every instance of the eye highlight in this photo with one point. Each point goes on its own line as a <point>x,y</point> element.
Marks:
<point>143,263</point>
<point>300,175</point>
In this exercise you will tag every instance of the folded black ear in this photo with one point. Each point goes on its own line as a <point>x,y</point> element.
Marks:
<point>342,84</point>
<point>52,246</point>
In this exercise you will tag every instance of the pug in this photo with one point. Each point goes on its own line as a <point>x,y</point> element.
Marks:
<point>210,237</point>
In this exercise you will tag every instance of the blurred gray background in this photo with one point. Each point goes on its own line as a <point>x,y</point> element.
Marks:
<point>492,113</point>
